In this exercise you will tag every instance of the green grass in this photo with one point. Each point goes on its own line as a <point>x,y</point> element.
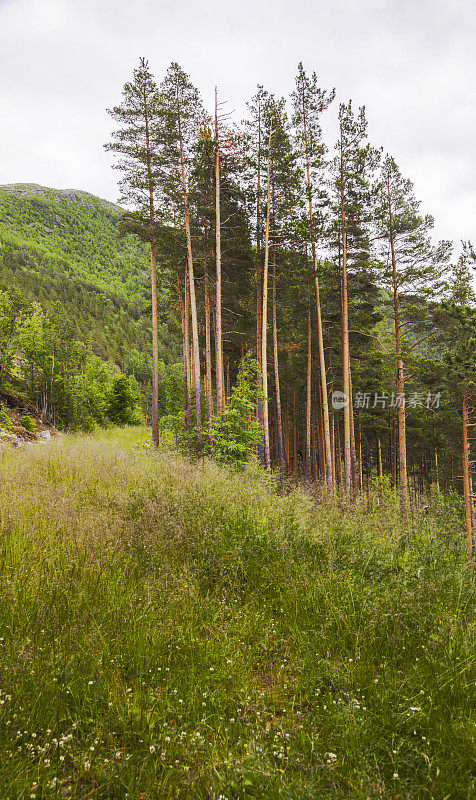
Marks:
<point>175,631</point>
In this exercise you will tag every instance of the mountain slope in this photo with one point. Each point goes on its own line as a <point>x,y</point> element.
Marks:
<point>62,247</point>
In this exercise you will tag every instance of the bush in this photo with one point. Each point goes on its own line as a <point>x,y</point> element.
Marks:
<point>28,423</point>
<point>236,434</point>
<point>120,401</point>
<point>5,421</point>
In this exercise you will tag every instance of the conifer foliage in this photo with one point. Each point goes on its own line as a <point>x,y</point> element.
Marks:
<point>321,267</point>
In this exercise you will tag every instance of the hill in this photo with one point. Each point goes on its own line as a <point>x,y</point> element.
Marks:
<point>61,248</point>
<point>170,630</point>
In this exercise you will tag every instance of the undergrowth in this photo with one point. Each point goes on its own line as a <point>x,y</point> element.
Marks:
<point>170,630</point>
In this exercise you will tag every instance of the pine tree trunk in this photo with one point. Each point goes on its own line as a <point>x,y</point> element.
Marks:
<point>218,325</point>
<point>208,358</point>
<point>339,457</point>
<point>307,461</point>
<point>295,441</point>
<point>153,283</point>
<point>320,338</point>
<point>379,466</point>
<point>279,424</point>
<point>361,477</point>
<point>333,452</point>
<point>193,302</point>
<point>320,437</point>
<point>473,516</point>
<point>314,471</point>
<point>467,489</point>
<point>259,294</point>
<point>402,438</point>
<point>264,319</point>
<point>353,455</point>
<point>345,346</point>
<point>184,348</point>
<point>228,382</point>
<point>186,351</point>
<point>286,430</point>
<point>155,344</point>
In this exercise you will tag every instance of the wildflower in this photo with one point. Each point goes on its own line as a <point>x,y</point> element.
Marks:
<point>152,748</point>
<point>395,776</point>
<point>87,765</point>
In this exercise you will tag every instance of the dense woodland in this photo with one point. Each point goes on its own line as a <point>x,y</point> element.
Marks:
<point>75,307</point>
<point>302,272</point>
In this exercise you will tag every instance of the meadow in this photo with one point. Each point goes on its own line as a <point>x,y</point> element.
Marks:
<point>177,630</point>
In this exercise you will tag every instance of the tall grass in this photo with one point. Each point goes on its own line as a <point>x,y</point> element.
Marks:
<point>170,630</point>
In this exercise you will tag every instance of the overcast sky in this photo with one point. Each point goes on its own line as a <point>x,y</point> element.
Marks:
<point>411,62</point>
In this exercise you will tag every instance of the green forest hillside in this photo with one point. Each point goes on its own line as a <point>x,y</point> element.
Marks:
<point>61,248</point>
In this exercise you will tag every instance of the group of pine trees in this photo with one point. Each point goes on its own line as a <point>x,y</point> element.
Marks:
<point>319,263</point>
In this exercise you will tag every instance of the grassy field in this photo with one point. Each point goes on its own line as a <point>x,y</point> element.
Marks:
<point>169,630</point>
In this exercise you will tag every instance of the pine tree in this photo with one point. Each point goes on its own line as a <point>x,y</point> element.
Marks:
<point>283,191</point>
<point>415,266</point>
<point>182,119</point>
<point>309,103</point>
<point>257,155</point>
<point>135,143</point>
<point>351,171</point>
<point>459,323</point>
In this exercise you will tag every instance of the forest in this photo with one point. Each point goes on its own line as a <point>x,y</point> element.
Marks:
<point>75,308</point>
<point>323,328</point>
<point>240,565</point>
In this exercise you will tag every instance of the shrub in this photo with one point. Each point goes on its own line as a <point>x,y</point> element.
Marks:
<point>28,423</point>
<point>236,434</point>
<point>5,421</point>
<point>120,401</point>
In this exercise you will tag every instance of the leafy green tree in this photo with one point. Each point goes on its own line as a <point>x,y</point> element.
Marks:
<point>120,401</point>
<point>11,306</point>
<point>237,432</point>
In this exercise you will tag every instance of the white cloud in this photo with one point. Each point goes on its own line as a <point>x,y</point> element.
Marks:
<point>411,62</point>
